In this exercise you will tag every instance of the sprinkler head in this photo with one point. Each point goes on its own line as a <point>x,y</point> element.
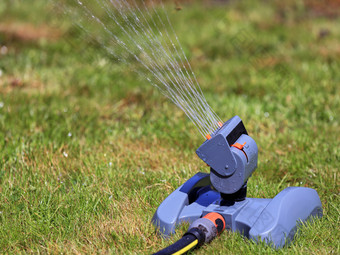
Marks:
<point>231,155</point>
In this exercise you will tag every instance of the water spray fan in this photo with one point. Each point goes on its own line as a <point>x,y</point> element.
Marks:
<point>212,202</point>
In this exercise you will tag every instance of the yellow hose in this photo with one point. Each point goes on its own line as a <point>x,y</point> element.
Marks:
<point>186,248</point>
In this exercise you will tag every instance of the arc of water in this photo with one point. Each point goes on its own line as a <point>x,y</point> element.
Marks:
<point>162,57</point>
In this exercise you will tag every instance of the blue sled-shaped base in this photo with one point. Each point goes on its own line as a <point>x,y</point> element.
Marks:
<point>271,220</point>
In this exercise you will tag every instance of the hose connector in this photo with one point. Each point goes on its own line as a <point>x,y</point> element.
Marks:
<point>201,231</point>
<point>207,228</point>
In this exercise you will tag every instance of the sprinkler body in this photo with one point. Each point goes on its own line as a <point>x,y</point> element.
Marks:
<point>232,157</point>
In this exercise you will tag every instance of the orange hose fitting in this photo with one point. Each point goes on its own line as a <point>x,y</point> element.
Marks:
<point>217,219</point>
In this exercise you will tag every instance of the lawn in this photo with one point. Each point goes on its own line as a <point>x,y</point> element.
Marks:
<point>88,149</point>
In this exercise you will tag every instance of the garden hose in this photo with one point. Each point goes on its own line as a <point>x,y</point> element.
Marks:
<point>202,230</point>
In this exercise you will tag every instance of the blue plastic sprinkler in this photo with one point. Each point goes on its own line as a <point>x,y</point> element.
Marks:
<point>212,202</point>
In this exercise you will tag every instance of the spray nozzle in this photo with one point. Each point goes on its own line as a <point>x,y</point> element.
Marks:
<point>231,154</point>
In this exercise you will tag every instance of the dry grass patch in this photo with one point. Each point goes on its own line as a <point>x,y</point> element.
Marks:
<point>26,32</point>
<point>24,83</point>
<point>152,155</point>
<point>124,224</point>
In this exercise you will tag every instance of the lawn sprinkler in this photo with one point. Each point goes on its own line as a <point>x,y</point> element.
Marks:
<point>212,202</point>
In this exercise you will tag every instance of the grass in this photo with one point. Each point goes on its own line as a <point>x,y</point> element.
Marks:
<point>88,150</point>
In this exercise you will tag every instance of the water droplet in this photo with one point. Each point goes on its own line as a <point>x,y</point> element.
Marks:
<point>3,50</point>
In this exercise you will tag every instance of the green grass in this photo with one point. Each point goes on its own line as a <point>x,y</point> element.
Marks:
<point>88,150</point>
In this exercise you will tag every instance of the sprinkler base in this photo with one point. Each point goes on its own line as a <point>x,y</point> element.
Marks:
<point>273,221</point>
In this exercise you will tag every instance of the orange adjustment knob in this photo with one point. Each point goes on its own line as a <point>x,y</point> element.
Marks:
<point>208,136</point>
<point>238,145</point>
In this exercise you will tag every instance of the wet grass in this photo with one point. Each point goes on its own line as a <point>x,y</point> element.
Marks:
<point>88,150</point>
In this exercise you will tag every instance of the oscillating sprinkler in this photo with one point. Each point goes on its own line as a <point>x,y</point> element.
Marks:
<point>212,202</point>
